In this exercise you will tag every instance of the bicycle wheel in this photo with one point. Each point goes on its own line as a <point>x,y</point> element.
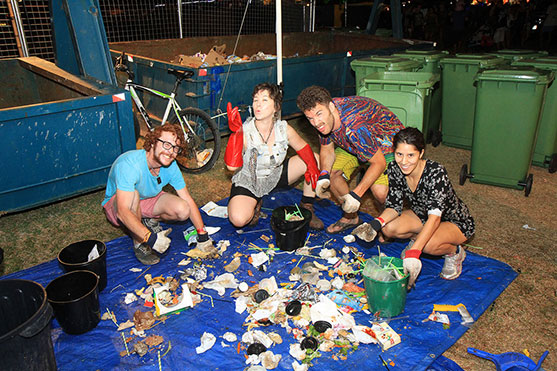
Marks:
<point>203,141</point>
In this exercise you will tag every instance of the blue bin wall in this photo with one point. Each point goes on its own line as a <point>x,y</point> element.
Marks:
<point>330,69</point>
<point>57,149</point>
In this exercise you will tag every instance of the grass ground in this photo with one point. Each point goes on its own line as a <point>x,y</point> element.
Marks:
<point>523,317</point>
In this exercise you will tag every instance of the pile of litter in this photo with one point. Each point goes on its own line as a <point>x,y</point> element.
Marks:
<point>313,309</point>
<point>245,295</point>
<point>218,57</point>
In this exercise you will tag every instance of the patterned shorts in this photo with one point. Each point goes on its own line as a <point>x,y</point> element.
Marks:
<point>348,163</point>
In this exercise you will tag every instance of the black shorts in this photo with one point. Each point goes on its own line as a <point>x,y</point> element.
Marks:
<point>282,183</point>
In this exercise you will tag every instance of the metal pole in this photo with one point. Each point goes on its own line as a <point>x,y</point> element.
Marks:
<point>313,6</point>
<point>278,29</point>
<point>180,18</point>
<point>18,28</point>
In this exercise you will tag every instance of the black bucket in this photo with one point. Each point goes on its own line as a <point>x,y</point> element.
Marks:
<point>74,257</point>
<point>290,235</point>
<point>74,297</point>
<point>25,341</point>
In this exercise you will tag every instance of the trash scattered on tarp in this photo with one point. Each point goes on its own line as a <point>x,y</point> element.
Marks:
<point>125,325</point>
<point>230,337</point>
<point>438,317</point>
<point>385,335</point>
<point>349,238</point>
<point>259,258</point>
<point>233,265</point>
<point>467,319</point>
<point>222,282</point>
<point>135,270</point>
<point>143,320</point>
<point>207,342</point>
<point>130,298</point>
<point>365,232</point>
<point>184,262</point>
<point>212,209</point>
<point>168,300</point>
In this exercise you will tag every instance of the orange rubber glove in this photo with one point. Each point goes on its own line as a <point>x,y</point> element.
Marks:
<point>234,148</point>
<point>312,172</point>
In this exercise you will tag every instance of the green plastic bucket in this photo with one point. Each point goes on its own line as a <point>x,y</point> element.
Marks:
<point>386,299</point>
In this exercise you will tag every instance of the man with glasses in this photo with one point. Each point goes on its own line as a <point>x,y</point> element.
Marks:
<point>135,200</point>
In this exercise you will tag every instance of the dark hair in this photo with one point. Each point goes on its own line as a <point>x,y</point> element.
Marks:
<point>311,96</point>
<point>274,93</point>
<point>152,136</point>
<point>410,136</point>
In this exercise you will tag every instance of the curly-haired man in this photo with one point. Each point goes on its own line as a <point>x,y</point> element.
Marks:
<point>135,200</point>
<point>362,130</point>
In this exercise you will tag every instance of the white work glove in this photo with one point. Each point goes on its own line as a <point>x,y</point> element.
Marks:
<point>323,184</point>
<point>351,202</point>
<point>412,265</point>
<point>367,231</point>
<point>159,241</point>
<point>204,243</point>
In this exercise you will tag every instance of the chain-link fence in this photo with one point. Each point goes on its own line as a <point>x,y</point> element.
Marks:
<point>25,28</point>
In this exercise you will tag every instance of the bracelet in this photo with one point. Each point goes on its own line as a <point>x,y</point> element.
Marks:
<point>323,172</point>
<point>381,220</point>
<point>146,237</point>
<point>201,230</point>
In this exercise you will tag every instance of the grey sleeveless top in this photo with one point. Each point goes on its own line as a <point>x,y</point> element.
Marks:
<point>262,167</point>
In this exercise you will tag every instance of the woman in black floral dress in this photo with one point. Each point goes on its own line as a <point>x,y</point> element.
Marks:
<point>436,220</point>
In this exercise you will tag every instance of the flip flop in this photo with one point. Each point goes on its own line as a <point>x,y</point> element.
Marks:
<point>343,226</point>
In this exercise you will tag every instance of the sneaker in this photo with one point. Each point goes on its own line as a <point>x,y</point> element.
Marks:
<point>315,222</point>
<point>406,248</point>
<point>145,254</point>
<point>453,264</point>
<point>152,224</point>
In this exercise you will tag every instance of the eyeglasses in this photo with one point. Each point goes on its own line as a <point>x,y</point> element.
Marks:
<point>169,146</point>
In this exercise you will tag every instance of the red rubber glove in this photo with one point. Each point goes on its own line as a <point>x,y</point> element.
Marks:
<point>312,172</point>
<point>235,146</point>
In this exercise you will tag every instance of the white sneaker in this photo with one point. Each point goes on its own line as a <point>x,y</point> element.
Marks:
<point>453,264</point>
<point>152,224</point>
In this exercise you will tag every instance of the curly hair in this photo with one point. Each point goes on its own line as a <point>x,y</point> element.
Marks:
<point>311,96</point>
<point>152,136</point>
<point>274,93</point>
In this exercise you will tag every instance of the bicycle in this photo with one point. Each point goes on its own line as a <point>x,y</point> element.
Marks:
<point>201,133</point>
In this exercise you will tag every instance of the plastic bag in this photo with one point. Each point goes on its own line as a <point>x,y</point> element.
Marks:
<point>378,273</point>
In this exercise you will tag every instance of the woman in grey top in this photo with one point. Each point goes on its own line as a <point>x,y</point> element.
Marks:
<point>257,149</point>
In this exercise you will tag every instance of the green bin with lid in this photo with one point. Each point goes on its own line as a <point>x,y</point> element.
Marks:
<point>377,63</point>
<point>512,55</point>
<point>509,102</point>
<point>545,150</point>
<point>430,63</point>
<point>407,94</point>
<point>459,96</point>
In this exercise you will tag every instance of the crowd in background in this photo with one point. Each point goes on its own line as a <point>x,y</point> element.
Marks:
<point>460,26</point>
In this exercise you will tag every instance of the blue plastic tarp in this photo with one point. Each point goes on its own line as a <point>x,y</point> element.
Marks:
<point>482,281</point>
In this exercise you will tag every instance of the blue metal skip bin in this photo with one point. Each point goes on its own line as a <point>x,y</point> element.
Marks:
<point>319,58</point>
<point>59,133</point>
